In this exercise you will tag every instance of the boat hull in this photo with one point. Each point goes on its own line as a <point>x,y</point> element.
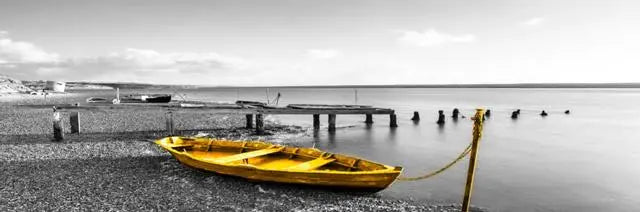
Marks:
<point>371,182</point>
<point>260,161</point>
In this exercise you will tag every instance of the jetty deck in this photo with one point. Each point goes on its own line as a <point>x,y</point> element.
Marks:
<point>251,112</point>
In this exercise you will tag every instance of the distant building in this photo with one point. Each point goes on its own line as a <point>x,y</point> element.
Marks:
<point>55,86</point>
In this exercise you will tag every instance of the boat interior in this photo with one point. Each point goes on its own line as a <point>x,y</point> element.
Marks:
<point>268,156</point>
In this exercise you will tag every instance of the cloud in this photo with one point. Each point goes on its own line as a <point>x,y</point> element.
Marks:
<point>533,21</point>
<point>24,60</point>
<point>432,37</point>
<point>150,60</point>
<point>322,54</point>
<point>12,52</point>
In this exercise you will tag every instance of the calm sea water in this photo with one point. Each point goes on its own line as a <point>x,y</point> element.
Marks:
<point>585,161</point>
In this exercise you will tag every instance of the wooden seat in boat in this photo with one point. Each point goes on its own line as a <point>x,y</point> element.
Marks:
<point>181,146</point>
<point>246,155</point>
<point>311,165</point>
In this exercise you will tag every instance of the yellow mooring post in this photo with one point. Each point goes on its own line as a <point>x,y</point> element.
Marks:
<point>477,133</point>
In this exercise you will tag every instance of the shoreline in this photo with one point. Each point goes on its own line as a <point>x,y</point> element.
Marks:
<point>113,165</point>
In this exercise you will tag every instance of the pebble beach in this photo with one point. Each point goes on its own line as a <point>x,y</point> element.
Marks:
<point>113,165</point>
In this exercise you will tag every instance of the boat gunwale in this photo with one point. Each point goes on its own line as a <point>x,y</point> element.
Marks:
<point>388,169</point>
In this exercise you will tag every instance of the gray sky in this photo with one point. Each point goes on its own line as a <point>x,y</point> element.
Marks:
<point>295,42</point>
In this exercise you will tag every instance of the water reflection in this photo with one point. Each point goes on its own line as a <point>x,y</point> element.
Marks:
<point>368,132</point>
<point>392,134</point>
<point>368,126</point>
<point>416,123</point>
<point>316,138</point>
<point>332,140</point>
<point>440,128</point>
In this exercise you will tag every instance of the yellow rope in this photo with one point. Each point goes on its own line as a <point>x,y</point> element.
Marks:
<point>477,133</point>
<point>462,155</point>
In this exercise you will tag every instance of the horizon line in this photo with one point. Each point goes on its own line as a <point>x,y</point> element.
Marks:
<point>471,85</point>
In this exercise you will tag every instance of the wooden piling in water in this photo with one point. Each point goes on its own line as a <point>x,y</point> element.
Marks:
<point>259,124</point>
<point>440,117</point>
<point>249,118</point>
<point>544,113</point>
<point>514,114</point>
<point>368,119</point>
<point>169,126</point>
<point>58,134</point>
<point>416,116</point>
<point>316,121</point>
<point>392,120</point>
<point>332,122</point>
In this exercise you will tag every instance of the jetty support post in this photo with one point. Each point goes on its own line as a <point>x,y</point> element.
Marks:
<point>74,120</point>
<point>393,122</point>
<point>249,118</point>
<point>169,123</point>
<point>58,134</point>
<point>259,124</point>
<point>316,121</point>
<point>368,119</point>
<point>477,134</point>
<point>332,122</point>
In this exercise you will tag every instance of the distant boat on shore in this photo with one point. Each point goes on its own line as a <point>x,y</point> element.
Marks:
<point>158,98</point>
<point>152,98</point>
<point>96,100</point>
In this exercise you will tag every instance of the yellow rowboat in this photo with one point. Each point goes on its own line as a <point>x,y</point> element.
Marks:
<point>260,161</point>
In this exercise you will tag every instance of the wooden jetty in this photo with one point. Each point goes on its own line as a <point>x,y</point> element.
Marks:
<point>249,111</point>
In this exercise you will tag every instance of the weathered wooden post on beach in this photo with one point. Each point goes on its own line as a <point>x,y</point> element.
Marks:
<point>393,122</point>
<point>332,122</point>
<point>477,134</point>
<point>368,118</point>
<point>440,117</point>
<point>169,123</point>
<point>249,118</point>
<point>416,116</point>
<point>259,124</point>
<point>58,134</point>
<point>74,120</point>
<point>316,121</point>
